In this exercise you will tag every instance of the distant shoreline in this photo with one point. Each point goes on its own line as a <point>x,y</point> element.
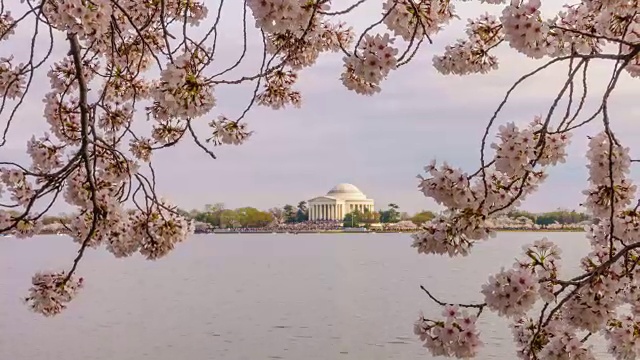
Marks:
<point>264,232</point>
<point>350,231</point>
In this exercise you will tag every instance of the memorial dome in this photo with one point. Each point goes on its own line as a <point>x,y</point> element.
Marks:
<point>346,191</point>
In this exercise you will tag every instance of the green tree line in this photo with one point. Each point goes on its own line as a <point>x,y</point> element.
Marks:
<point>548,218</point>
<point>217,215</point>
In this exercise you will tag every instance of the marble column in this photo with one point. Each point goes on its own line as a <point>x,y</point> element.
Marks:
<point>311,212</point>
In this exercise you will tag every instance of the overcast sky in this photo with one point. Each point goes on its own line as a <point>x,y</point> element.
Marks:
<point>377,143</point>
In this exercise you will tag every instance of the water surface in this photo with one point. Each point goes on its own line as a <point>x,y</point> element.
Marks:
<point>306,296</point>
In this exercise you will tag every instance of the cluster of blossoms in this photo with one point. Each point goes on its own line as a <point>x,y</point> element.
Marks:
<point>45,156</point>
<point>278,91</point>
<point>12,79</point>
<point>6,25</point>
<point>15,181</point>
<point>182,91</point>
<point>472,55</point>
<point>62,75</point>
<point>285,15</point>
<point>519,149</point>
<point>555,341</point>
<point>513,292</point>
<point>365,69</point>
<point>611,190</point>
<point>624,337</point>
<point>297,32</point>
<point>301,47</point>
<point>25,226</point>
<point>87,19</point>
<point>455,336</point>
<point>416,19</point>
<point>225,131</point>
<point>51,292</point>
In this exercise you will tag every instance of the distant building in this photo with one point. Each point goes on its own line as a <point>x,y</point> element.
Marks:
<point>339,201</point>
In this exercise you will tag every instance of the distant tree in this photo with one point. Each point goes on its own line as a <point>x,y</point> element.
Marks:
<point>210,215</point>
<point>422,217</point>
<point>405,216</point>
<point>303,213</point>
<point>561,217</point>
<point>352,219</point>
<point>521,213</point>
<point>277,214</point>
<point>253,218</point>
<point>217,207</point>
<point>357,217</point>
<point>228,218</point>
<point>289,213</point>
<point>369,217</point>
<point>390,215</point>
<point>48,220</point>
<point>185,213</point>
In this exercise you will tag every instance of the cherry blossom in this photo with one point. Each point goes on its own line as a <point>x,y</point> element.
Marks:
<point>416,19</point>
<point>12,79</point>
<point>455,336</point>
<point>51,292</point>
<point>365,70</point>
<point>182,91</point>
<point>623,336</point>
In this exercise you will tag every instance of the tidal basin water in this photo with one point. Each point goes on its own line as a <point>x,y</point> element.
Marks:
<point>307,296</point>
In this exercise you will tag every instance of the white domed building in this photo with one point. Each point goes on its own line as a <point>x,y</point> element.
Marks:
<point>339,201</point>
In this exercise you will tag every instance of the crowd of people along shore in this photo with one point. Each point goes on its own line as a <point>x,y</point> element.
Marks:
<point>305,227</point>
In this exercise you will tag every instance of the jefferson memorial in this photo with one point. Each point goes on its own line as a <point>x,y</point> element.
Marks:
<point>339,201</point>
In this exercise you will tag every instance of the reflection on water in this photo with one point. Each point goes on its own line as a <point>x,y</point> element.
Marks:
<point>308,296</point>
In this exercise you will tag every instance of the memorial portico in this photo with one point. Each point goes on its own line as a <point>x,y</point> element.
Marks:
<point>339,201</point>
